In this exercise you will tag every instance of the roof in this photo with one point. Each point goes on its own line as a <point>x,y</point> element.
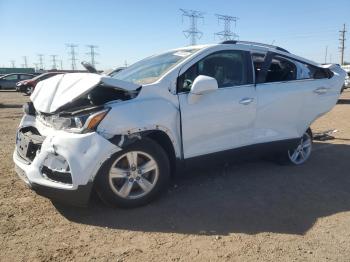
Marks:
<point>233,42</point>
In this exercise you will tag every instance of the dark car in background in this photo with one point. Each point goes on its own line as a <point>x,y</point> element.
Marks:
<point>27,86</point>
<point>9,81</point>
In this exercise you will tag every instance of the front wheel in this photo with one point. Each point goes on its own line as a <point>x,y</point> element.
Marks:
<point>134,176</point>
<point>29,90</point>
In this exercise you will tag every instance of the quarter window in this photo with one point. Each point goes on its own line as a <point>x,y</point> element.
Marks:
<point>229,68</point>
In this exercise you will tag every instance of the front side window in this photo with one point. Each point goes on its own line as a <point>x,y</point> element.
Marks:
<point>10,77</point>
<point>281,70</point>
<point>258,61</point>
<point>151,69</point>
<point>229,68</point>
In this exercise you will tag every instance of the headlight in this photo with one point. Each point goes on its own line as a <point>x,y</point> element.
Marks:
<point>78,123</point>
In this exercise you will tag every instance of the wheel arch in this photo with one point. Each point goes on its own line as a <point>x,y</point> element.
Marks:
<point>165,142</point>
<point>159,136</point>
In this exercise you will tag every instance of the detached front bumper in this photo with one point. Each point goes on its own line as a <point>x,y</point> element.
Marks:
<point>64,166</point>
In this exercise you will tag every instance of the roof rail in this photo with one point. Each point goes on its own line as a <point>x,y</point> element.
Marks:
<point>233,42</point>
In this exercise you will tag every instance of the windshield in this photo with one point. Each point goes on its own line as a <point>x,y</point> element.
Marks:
<point>152,68</point>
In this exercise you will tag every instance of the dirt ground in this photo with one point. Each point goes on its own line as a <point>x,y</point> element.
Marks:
<point>248,211</point>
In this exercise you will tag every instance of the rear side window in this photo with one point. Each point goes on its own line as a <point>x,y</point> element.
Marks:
<point>24,77</point>
<point>281,70</point>
<point>229,68</point>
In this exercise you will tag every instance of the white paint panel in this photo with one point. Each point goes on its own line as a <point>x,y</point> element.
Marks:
<point>218,121</point>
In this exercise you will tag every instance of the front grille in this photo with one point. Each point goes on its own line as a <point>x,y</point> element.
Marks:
<point>28,142</point>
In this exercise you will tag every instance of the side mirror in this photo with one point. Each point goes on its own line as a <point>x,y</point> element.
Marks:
<point>201,85</point>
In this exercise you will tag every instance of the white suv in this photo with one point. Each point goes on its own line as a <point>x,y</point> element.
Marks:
<point>125,134</point>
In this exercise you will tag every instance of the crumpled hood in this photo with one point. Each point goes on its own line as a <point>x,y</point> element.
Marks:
<point>51,94</point>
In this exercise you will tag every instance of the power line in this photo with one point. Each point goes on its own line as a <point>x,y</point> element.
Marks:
<point>54,65</point>
<point>25,61</point>
<point>92,54</point>
<point>193,33</point>
<point>41,60</point>
<point>72,54</point>
<point>227,33</point>
<point>342,44</point>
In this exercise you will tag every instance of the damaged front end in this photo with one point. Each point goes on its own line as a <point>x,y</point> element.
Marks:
<point>58,151</point>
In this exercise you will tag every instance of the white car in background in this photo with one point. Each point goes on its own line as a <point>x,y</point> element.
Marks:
<point>347,81</point>
<point>126,134</point>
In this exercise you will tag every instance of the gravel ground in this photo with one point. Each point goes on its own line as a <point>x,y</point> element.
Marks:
<point>247,211</point>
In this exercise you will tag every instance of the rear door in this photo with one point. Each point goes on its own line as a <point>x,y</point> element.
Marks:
<point>291,95</point>
<point>223,119</point>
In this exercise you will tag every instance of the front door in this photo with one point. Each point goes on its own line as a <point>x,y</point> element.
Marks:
<point>223,119</point>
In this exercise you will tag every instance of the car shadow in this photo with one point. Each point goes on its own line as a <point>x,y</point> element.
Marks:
<point>8,91</point>
<point>241,197</point>
<point>343,101</point>
<point>11,105</point>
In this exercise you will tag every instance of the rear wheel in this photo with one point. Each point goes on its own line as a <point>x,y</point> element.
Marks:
<point>134,176</point>
<point>301,153</point>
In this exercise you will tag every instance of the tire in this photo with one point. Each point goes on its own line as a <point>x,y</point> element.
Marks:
<point>300,154</point>
<point>29,90</point>
<point>121,181</point>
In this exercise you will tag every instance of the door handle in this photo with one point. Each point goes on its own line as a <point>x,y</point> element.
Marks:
<point>321,90</point>
<point>246,100</point>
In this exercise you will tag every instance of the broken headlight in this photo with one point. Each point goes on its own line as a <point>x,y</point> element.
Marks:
<point>78,123</point>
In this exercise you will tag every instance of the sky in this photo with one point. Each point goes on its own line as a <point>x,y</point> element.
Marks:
<point>127,31</point>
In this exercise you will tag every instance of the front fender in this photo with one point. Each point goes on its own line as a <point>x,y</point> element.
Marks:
<point>139,115</point>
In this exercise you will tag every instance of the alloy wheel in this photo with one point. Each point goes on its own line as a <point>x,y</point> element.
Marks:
<point>133,175</point>
<point>299,155</point>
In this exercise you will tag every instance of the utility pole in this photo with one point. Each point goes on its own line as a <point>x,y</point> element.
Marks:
<point>342,44</point>
<point>25,61</point>
<point>325,57</point>
<point>54,65</point>
<point>41,61</point>
<point>227,33</point>
<point>92,54</point>
<point>13,63</point>
<point>72,54</point>
<point>36,65</point>
<point>193,33</point>
<point>61,64</point>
